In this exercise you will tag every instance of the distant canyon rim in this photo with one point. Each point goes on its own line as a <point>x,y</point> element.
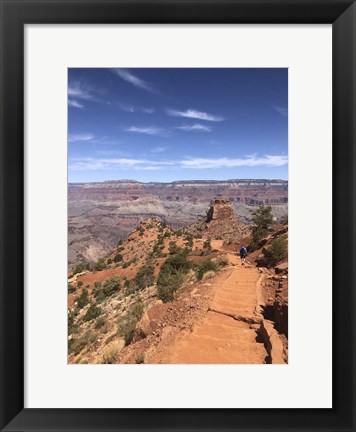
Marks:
<point>102,213</point>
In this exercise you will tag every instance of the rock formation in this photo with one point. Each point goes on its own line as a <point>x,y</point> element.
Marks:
<point>220,209</point>
<point>221,223</point>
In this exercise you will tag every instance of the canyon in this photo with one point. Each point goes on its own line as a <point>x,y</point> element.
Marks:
<point>103,213</point>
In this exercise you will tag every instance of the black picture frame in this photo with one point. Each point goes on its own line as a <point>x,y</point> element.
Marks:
<point>14,15</point>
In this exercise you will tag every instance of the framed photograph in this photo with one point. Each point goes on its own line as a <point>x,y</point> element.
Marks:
<point>177,215</point>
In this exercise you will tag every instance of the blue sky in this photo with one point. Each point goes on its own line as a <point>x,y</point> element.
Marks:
<point>177,124</point>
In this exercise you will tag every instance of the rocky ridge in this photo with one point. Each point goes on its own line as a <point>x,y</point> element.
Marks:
<point>161,331</point>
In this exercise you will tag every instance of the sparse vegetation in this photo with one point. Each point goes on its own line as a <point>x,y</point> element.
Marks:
<point>190,240</point>
<point>174,248</point>
<point>72,327</point>
<point>207,245</point>
<point>277,251</point>
<point>205,266</point>
<point>83,299</point>
<point>106,289</point>
<point>92,312</point>
<point>100,265</point>
<point>144,277</point>
<point>100,323</point>
<point>171,276</point>
<point>75,346</point>
<point>127,324</point>
<point>80,268</point>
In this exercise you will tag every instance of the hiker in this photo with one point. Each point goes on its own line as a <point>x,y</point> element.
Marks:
<point>243,253</point>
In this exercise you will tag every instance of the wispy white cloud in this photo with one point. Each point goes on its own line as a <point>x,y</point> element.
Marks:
<point>126,75</point>
<point>80,90</point>
<point>149,130</point>
<point>194,114</point>
<point>75,104</point>
<point>133,109</point>
<point>125,163</point>
<point>192,163</point>
<point>281,110</point>
<point>248,161</point>
<point>147,110</point>
<point>195,127</point>
<point>80,137</point>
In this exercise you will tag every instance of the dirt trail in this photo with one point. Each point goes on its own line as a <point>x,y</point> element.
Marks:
<point>227,334</point>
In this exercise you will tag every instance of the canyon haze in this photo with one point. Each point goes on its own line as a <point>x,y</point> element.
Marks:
<point>101,214</point>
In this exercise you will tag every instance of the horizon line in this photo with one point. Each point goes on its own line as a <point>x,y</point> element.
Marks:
<point>181,181</point>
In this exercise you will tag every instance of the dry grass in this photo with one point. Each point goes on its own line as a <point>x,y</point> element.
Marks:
<point>111,351</point>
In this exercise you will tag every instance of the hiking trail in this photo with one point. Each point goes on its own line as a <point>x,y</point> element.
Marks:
<point>227,334</point>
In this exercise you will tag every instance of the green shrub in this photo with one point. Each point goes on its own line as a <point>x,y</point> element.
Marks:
<point>137,310</point>
<point>80,268</point>
<point>71,289</point>
<point>128,263</point>
<point>111,285</point>
<point>140,359</point>
<point>207,245</point>
<point>262,220</point>
<point>79,284</point>
<point>109,261</point>
<point>169,284</point>
<point>96,289</point>
<point>173,248</point>
<point>175,264</point>
<point>100,323</point>
<point>118,258</point>
<point>92,312</point>
<point>106,289</point>
<point>77,345</point>
<point>83,299</point>
<point>144,277</point>
<point>72,327</point>
<point>172,276</point>
<point>277,251</point>
<point>100,265</point>
<point>127,324</point>
<point>205,266</point>
<point>189,239</point>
